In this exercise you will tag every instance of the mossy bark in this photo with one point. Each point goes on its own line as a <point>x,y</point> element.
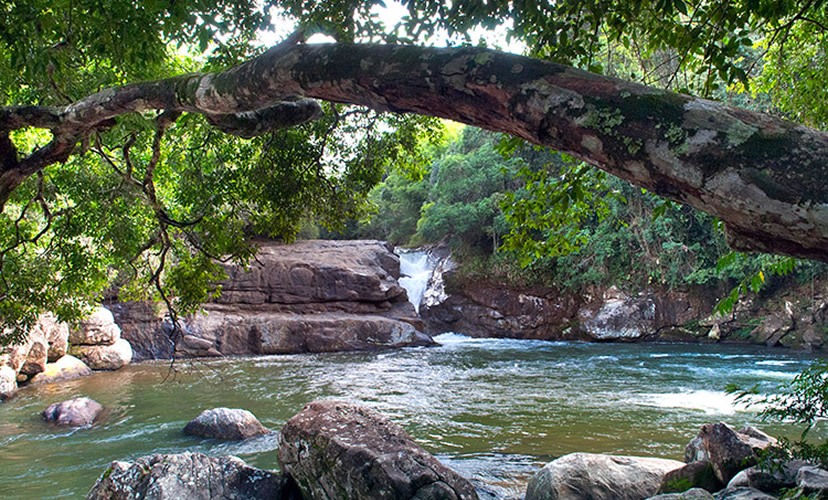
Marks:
<point>764,177</point>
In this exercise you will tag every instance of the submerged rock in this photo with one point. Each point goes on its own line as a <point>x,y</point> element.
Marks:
<point>78,412</point>
<point>225,423</point>
<point>599,477</point>
<point>334,449</point>
<point>193,476</point>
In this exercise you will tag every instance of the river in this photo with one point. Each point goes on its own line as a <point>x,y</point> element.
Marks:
<point>495,410</point>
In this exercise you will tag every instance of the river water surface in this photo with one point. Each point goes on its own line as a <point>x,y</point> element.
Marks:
<point>495,410</point>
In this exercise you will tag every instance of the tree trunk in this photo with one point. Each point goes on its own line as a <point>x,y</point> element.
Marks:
<point>764,177</point>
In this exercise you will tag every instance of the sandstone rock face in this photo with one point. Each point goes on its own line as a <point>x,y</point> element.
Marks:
<point>312,296</point>
<point>599,477</point>
<point>341,450</point>
<point>727,450</point>
<point>225,423</point>
<point>66,368</point>
<point>78,412</point>
<point>189,475</point>
<point>105,357</point>
<point>98,329</point>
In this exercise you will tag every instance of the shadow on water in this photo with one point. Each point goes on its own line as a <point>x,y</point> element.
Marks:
<point>494,410</point>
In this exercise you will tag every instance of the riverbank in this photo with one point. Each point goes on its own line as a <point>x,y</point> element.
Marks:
<point>531,401</point>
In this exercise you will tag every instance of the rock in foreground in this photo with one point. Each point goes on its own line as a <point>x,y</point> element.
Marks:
<point>78,412</point>
<point>599,477</point>
<point>728,451</point>
<point>193,476</point>
<point>334,449</point>
<point>225,423</point>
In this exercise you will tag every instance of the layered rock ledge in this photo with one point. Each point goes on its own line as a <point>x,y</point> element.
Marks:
<point>311,296</point>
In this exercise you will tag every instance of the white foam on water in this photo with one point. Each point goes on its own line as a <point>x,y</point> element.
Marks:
<point>710,402</point>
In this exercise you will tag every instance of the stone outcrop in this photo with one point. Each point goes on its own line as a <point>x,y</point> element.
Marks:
<point>335,449</point>
<point>311,296</point>
<point>192,476</point>
<point>225,423</point>
<point>599,477</point>
<point>78,412</point>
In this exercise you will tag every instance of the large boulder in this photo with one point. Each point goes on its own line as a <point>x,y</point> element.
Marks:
<point>768,479</point>
<point>812,480</point>
<point>334,449</point>
<point>193,476</point>
<point>691,494</point>
<point>78,412</point>
<point>8,382</point>
<point>743,493</point>
<point>225,423</point>
<point>693,475</point>
<point>57,335</point>
<point>599,477</point>
<point>66,368</point>
<point>97,329</point>
<point>105,357</point>
<point>37,356</point>
<point>728,451</point>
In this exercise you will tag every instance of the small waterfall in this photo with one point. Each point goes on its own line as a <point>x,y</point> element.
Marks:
<point>415,270</point>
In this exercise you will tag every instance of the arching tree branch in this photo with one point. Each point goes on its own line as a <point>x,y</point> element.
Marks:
<point>764,177</point>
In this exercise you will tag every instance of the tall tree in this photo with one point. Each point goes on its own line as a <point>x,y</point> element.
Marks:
<point>66,148</point>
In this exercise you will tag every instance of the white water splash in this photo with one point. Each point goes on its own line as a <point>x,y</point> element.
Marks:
<point>710,402</point>
<point>415,270</point>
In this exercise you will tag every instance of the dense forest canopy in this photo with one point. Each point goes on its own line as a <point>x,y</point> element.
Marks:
<point>143,143</point>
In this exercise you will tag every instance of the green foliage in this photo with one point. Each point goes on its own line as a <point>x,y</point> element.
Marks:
<point>140,214</point>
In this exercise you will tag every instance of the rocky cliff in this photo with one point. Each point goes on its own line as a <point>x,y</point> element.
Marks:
<point>311,296</point>
<point>786,315</point>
